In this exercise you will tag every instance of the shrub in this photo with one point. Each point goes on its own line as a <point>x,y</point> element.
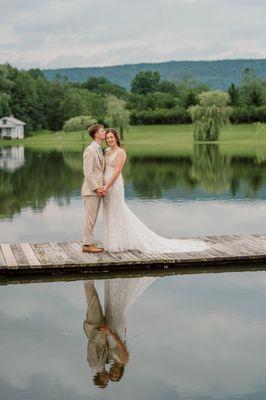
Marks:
<point>160,116</point>
<point>80,123</point>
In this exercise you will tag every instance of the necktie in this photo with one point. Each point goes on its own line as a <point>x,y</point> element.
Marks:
<point>101,151</point>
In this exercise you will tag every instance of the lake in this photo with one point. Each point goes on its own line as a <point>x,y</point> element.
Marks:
<point>187,336</point>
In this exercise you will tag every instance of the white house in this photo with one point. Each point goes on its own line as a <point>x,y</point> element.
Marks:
<point>11,128</point>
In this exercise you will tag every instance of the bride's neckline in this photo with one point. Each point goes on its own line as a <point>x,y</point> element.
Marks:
<point>108,152</point>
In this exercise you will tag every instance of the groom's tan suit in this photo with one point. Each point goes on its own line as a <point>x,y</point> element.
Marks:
<point>93,169</point>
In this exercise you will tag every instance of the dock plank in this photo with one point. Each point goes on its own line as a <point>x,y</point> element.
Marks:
<point>40,253</point>
<point>233,247</point>
<point>126,257</point>
<point>251,246</point>
<point>157,256</point>
<point>106,257</point>
<point>258,244</point>
<point>148,257</point>
<point>2,259</point>
<point>63,257</point>
<point>221,246</point>
<point>8,254</point>
<point>19,255</point>
<point>244,246</point>
<point>50,254</point>
<point>30,255</point>
<point>70,252</point>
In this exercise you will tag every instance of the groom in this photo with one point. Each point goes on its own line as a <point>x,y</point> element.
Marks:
<point>92,189</point>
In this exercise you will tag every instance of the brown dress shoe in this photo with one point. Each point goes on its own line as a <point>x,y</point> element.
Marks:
<point>91,248</point>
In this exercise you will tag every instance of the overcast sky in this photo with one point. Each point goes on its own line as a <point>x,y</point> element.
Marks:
<point>69,33</point>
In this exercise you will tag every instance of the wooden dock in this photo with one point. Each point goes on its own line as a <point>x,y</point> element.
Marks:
<point>57,258</point>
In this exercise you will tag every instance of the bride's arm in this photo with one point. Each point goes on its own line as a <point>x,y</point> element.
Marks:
<point>123,353</point>
<point>120,161</point>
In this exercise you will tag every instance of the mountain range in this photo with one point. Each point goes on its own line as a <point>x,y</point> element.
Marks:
<point>217,74</point>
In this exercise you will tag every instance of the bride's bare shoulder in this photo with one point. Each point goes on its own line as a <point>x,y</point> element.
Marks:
<point>122,152</point>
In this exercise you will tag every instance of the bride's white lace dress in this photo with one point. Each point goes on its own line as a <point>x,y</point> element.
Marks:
<point>123,230</point>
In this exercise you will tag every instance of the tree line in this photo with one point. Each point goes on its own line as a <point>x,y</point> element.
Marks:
<point>45,104</point>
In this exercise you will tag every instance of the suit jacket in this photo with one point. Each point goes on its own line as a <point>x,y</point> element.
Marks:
<point>93,169</point>
<point>97,350</point>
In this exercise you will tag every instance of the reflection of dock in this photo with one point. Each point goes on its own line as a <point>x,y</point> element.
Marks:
<point>57,258</point>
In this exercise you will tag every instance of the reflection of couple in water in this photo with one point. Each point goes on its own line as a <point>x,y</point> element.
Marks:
<point>106,332</point>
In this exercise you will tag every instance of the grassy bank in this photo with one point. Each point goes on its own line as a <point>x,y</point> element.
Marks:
<point>168,140</point>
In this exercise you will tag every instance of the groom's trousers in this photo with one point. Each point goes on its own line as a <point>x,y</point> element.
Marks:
<point>92,205</point>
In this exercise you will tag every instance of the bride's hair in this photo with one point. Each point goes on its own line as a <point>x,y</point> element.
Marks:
<point>115,133</point>
<point>119,369</point>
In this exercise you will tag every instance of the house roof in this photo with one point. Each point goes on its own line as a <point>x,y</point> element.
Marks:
<point>11,121</point>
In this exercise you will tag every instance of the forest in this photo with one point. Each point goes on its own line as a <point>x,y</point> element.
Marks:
<point>47,104</point>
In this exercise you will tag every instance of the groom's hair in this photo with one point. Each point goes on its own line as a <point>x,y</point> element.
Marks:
<point>92,130</point>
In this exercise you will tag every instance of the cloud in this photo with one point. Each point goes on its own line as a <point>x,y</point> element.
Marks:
<point>58,33</point>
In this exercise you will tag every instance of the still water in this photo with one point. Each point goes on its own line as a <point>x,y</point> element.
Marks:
<point>200,336</point>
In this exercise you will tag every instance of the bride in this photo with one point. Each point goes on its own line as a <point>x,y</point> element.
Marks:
<point>123,230</point>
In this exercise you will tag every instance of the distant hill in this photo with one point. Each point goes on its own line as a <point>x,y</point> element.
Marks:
<point>217,74</point>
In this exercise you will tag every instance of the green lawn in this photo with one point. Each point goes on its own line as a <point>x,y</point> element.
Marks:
<point>168,140</point>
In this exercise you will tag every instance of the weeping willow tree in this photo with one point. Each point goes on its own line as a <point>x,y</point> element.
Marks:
<point>117,114</point>
<point>210,115</point>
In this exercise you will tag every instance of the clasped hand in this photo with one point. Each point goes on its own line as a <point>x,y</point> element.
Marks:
<point>102,191</point>
<point>105,329</point>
